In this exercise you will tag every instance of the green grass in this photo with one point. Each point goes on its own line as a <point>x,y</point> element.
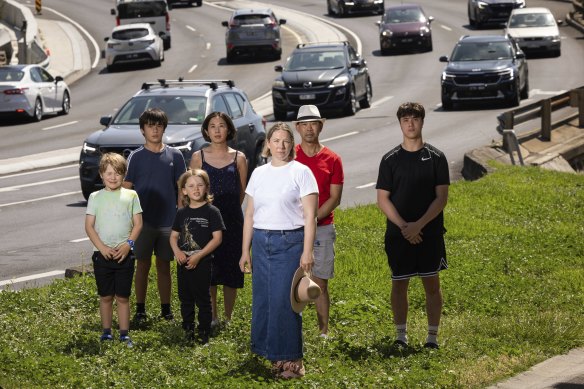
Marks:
<point>513,297</point>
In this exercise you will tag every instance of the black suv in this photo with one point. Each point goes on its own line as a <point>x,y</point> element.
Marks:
<point>328,75</point>
<point>485,67</point>
<point>186,103</point>
<point>491,11</point>
<point>346,7</point>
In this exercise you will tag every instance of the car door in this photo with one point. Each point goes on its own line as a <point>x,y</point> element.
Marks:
<point>521,62</point>
<point>45,86</point>
<point>245,127</point>
<point>359,72</point>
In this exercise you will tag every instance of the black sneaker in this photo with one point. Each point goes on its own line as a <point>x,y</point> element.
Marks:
<point>106,337</point>
<point>400,343</point>
<point>167,316</point>
<point>140,317</point>
<point>431,345</point>
<point>202,338</point>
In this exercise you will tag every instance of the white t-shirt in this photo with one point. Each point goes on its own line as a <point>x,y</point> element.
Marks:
<point>277,193</point>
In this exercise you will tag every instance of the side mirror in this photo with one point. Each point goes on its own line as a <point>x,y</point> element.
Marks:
<point>282,21</point>
<point>378,23</point>
<point>430,19</point>
<point>58,79</point>
<point>520,55</point>
<point>112,11</point>
<point>358,63</point>
<point>105,120</point>
<point>443,58</point>
<point>106,39</point>
<point>225,23</point>
<point>162,34</point>
<point>278,68</point>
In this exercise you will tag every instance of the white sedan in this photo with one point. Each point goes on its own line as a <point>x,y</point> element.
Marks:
<point>535,29</point>
<point>136,42</point>
<point>31,90</point>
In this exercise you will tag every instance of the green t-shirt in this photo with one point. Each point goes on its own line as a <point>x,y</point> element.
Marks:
<point>113,213</point>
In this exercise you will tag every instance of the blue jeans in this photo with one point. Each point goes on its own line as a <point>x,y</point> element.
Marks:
<point>276,330</point>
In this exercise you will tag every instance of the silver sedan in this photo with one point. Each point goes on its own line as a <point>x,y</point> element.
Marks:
<point>136,42</point>
<point>33,91</point>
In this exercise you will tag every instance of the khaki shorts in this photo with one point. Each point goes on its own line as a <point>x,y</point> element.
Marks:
<point>324,252</point>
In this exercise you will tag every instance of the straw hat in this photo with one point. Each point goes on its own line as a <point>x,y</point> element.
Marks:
<point>302,291</point>
<point>308,113</point>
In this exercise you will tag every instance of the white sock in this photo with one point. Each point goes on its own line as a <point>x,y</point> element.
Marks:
<point>432,335</point>
<point>402,332</point>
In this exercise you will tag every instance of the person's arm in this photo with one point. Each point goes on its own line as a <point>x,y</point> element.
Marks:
<point>336,191</point>
<point>122,251</point>
<point>390,211</point>
<point>245,262</point>
<point>128,184</point>
<point>309,205</point>
<point>196,161</point>
<point>242,169</point>
<point>415,228</point>
<point>180,256</point>
<point>105,250</point>
<point>215,241</point>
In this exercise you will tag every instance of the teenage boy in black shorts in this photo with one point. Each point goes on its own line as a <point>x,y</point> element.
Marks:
<point>412,191</point>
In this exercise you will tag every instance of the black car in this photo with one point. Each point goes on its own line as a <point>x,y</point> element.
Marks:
<point>328,75</point>
<point>491,11</point>
<point>346,7</point>
<point>485,67</point>
<point>405,26</point>
<point>186,103</point>
<point>189,2</point>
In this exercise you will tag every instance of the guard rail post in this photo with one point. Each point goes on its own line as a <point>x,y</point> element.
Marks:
<point>546,120</point>
<point>577,100</point>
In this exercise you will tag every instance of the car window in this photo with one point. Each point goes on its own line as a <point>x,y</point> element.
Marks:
<point>179,109</point>
<point>480,51</point>
<point>219,105</point>
<point>409,15</point>
<point>35,75</point>
<point>139,9</point>
<point>127,34</point>
<point>241,20</point>
<point>315,60</point>
<point>7,74</point>
<point>234,106</point>
<point>46,76</point>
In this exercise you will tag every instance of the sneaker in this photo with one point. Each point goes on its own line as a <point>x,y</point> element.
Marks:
<point>431,345</point>
<point>167,316</point>
<point>400,343</point>
<point>323,336</point>
<point>140,317</point>
<point>105,337</point>
<point>202,338</point>
<point>127,340</point>
<point>215,323</point>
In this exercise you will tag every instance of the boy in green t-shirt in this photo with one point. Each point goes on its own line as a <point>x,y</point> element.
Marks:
<point>113,221</point>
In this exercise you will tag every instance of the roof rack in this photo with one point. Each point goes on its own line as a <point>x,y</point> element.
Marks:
<point>163,83</point>
<point>304,44</point>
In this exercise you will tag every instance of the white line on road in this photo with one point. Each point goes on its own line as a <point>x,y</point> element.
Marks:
<point>545,92</point>
<point>17,187</point>
<point>192,69</point>
<point>32,277</point>
<point>365,186</point>
<point>78,240</point>
<point>446,27</point>
<point>40,198</point>
<point>191,28</point>
<point>381,101</point>
<point>39,171</point>
<point>340,136</point>
<point>208,46</point>
<point>60,125</point>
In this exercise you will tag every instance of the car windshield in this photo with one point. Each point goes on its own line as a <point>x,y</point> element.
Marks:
<point>316,60</point>
<point>481,51</point>
<point>7,74</point>
<point>179,109</point>
<point>532,20</point>
<point>141,9</point>
<point>252,19</point>
<point>408,15</point>
<point>127,34</point>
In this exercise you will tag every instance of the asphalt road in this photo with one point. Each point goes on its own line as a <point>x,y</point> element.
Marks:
<point>42,212</point>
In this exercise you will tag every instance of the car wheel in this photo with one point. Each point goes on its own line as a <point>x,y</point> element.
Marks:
<point>446,104</point>
<point>342,11</point>
<point>471,21</point>
<point>110,68</point>
<point>329,9</point>
<point>166,44</point>
<point>525,90</point>
<point>365,102</point>
<point>200,3</point>
<point>557,53</point>
<point>515,98</point>
<point>66,104</point>
<point>280,115</point>
<point>230,58</point>
<point>351,107</point>
<point>37,114</point>
<point>429,47</point>
<point>85,192</point>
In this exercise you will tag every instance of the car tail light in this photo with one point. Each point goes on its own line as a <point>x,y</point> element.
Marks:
<point>167,22</point>
<point>117,21</point>
<point>16,91</point>
<point>264,122</point>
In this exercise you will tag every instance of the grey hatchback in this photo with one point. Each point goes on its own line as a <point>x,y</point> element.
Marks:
<point>251,32</point>
<point>186,103</point>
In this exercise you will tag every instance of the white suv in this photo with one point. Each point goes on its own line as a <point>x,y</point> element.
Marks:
<point>155,12</point>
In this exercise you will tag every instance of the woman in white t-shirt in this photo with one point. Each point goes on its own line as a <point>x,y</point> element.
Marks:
<point>280,225</point>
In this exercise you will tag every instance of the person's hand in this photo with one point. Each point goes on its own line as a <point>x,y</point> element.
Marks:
<point>193,261</point>
<point>121,252</point>
<point>107,252</point>
<point>307,261</point>
<point>412,232</point>
<point>181,257</point>
<point>245,263</point>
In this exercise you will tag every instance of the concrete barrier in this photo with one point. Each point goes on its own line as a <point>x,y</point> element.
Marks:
<point>22,21</point>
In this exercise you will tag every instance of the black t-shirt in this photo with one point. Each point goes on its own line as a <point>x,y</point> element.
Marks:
<point>411,179</point>
<point>196,226</point>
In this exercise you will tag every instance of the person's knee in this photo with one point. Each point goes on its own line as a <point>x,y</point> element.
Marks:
<point>163,267</point>
<point>122,300</point>
<point>106,299</point>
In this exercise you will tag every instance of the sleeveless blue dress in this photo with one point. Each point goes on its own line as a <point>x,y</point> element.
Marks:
<point>225,187</point>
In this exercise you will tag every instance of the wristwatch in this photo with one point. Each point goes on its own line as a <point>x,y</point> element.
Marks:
<point>131,243</point>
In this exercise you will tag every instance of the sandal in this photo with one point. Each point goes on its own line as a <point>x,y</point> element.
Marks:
<point>278,367</point>
<point>293,369</point>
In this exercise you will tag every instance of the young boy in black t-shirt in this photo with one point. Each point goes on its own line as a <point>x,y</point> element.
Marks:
<point>412,191</point>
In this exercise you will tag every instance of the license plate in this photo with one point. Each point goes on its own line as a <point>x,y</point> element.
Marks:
<point>479,87</point>
<point>407,40</point>
<point>131,56</point>
<point>307,97</point>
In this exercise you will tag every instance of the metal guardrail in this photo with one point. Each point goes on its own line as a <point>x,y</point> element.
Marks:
<point>542,109</point>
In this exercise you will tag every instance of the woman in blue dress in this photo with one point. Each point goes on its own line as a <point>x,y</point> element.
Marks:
<point>227,170</point>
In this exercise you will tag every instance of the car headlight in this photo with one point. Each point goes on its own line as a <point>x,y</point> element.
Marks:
<point>520,3</point>
<point>279,84</point>
<point>149,41</point>
<point>387,33</point>
<point>89,149</point>
<point>447,76</point>
<point>482,4</point>
<point>507,74</point>
<point>424,30</point>
<point>183,147</point>
<point>340,81</point>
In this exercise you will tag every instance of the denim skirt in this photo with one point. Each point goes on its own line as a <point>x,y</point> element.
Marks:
<point>276,330</point>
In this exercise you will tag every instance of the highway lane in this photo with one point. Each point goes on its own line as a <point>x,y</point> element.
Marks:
<point>48,234</point>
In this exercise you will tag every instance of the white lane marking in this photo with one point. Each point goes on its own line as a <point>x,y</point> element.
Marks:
<point>544,92</point>
<point>59,125</point>
<point>340,136</point>
<point>446,27</point>
<point>39,171</point>
<point>40,198</point>
<point>78,240</point>
<point>208,45</point>
<point>381,101</point>
<point>93,42</point>
<point>294,33</point>
<point>17,187</point>
<point>192,69</point>
<point>33,277</point>
<point>365,186</point>
<point>191,28</point>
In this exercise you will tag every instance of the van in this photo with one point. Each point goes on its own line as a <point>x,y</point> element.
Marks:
<point>155,12</point>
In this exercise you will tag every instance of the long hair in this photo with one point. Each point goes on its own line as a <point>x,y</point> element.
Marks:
<point>182,181</point>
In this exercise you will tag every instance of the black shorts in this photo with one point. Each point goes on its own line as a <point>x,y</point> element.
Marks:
<point>113,278</point>
<point>154,239</point>
<point>408,260</point>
